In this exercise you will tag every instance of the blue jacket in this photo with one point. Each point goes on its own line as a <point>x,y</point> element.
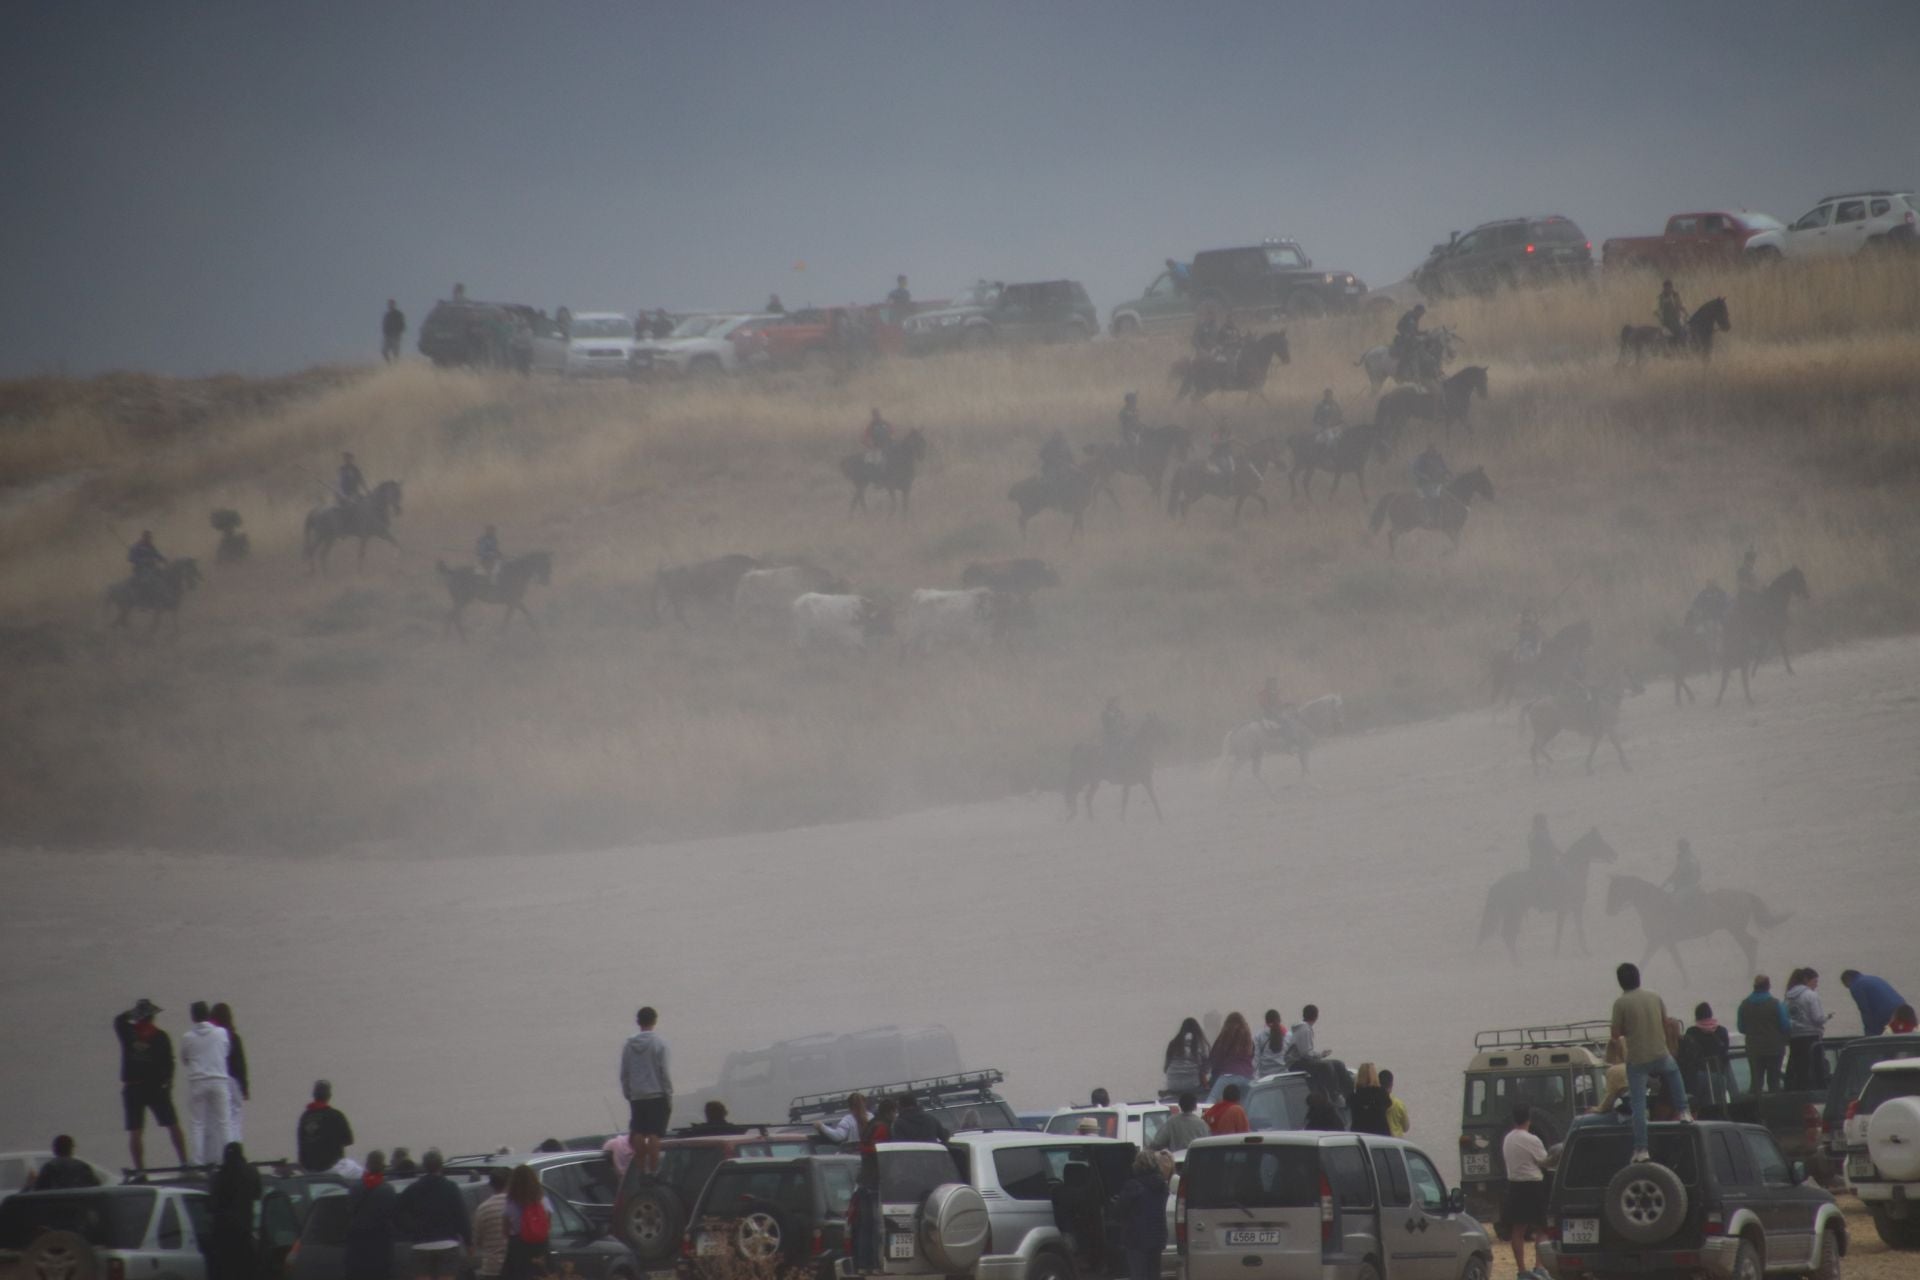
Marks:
<point>1763,1021</point>
<point>1142,1203</point>
<point>1877,1000</point>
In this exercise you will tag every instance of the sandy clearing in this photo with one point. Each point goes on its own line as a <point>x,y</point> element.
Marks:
<point>481,1001</point>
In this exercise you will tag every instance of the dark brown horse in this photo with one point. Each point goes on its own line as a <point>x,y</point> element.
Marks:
<point>1404,512</point>
<point>1591,711</point>
<point>1758,623</point>
<point>1154,449</point>
<point>1560,892</point>
<point>1197,480</point>
<point>894,473</point>
<point>363,518</point>
<point>1070,491</point>
<point>159,592</point>
<point>1563,656</point>
<point>1346,456</point>
<point>1643,340</point>
<point>508,587</point>
<point>1125,764</point>
<point>1692,649</point>
<point>1200,377</point>
<point>1664,922</point>
<point>1452,403</point>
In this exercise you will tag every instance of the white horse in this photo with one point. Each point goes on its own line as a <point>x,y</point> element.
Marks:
<point>1379,364</point>
<point>1253,741</point>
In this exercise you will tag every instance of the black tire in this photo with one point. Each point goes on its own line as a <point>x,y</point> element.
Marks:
<point>1645,1203</point>
<point>1368,1271</point>
<point>1476,1269</point>
<point>1826,1259</point>
<point>763,1233</point>
<point>1765,256</point>
<point>651,1220</point>
<point>62,1254</point>
<point>1126,327</point>
<point>1050,1266</point>
<point>1747,1263</point>
<point>1897,1233</point>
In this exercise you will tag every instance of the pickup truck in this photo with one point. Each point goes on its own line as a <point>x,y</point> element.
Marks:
<point>1694,240</point>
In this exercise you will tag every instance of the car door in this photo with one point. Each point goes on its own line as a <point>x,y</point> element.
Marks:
<point>1807,237</point>
<point>1017,316</point>
<point>1442,1232</point>
<point>1849,230</point>
<point>1162,306</point>
<point>1400,1240</point>
<point>1785,1214</point>
<point>575,1244</point>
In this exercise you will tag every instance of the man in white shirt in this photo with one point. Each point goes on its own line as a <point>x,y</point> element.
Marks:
<point>1300,1050</point>
<point>203,1052</point>
<point>846,1129</point>
<point>1526,1208</point>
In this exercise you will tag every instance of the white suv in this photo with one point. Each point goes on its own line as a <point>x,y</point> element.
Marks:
<point>1885,1119</point>
<point>1845,224</point>
<point>1138,1122</point>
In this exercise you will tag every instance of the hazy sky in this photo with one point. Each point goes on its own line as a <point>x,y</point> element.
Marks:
<point>227,186</point>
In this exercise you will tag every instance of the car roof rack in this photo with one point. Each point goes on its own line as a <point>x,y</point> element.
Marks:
<point>1848,195</point>
<point>937,1091</point>
<point>1578,1034</point>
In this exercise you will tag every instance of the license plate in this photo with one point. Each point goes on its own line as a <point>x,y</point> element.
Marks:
<point>900,1245</point>
<point>1253,1237</point>
<point>1860,1167</point>
<point>1476,1166</point>
<point>1580,1231</point>
<point>1352,288</point>
<point>707,1247</point>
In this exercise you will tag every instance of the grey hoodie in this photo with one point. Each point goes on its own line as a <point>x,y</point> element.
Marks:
<point>1804,1014</point>
<point>643,1067</point>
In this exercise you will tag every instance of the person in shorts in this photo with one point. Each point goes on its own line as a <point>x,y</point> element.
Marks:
<point>1525,1210</point>
<point>146,1080</point>
<point>648,1087</point>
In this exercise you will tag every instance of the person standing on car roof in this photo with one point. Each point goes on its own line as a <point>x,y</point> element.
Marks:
<point>1641,1016</point>
<point>146,1080</point>
<point>393,327</point>
<point>239,1092</point>
<point>323,1134</point>
<point>916,1124</point>
<point>648,1088</point>
<point>1875,997</point>
<point>1525,1210</point>
<point>203,1052</point>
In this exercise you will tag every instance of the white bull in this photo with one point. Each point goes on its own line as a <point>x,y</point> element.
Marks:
<point>1253,741</point>
<point>763,598</point>
<point>964,618</point>
<point>835,621</point>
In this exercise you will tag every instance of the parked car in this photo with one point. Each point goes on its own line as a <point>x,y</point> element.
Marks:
<point>1883,1150</point>
<point>991,314</point>
<point>599,342</point>
<point>1559,1070</point>
<point>584,1179</point>
<point>1271,279</point>
<point>1847,1073</point>
<point>1164,306</point>
<point>650,1210</point>
<point>1279,1101</point>
<point>1716,239</point>
<point>698,347</point>
<point>816,334</point>
<point>1717,1198</point>
<point>1847,223</point>
<point>152,1232</point>
<point>1792,1116</point>
<point>788,1212</point>
<point>494,335</point>
<point>760,1085</point>
<point>1507,253</point>
<point>1138,1122</point>
<point>962,1102</point>
<point>1323,1206</point>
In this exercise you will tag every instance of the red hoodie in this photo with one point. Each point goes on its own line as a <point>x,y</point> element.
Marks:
<point>1227,1117</point>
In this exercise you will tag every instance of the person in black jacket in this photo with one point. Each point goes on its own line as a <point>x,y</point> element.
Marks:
<point>1706,1051</point>
<point>434,1216</point>
<point>323,1134</point>
<point>916,1125</point>
<point>146,1080</point>
<point>240,1091</point>
<point>63,1172</point>
<point>230,1248</point>
<point>371,1225</point>
<point>1142,1209</point>
<point>1369,1103</point>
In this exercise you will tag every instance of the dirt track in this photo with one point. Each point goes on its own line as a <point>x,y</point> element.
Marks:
<point>476,1002</point>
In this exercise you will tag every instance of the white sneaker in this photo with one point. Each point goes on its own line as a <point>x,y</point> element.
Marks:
<point>1640,1156</point>
<point>1685,1117</point>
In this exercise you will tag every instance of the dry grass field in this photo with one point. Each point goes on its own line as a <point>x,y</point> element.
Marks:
<point>295,711</point>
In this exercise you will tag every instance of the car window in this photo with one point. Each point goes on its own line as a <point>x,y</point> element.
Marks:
<point>1686,226</point>
<point>1557,231</point>
<point>907,1177</point>
<point>1851,1070</point>
<point>1023,1172</point>
<point>1512,236</point>
<point>566,1219</point>
<point>687,1168</point>
<point>1467,243</point>
<point>1162,286</point>
<point>836,1185</point>
<point>1726,1168</point>
<point>1272,1108</point>
<point>1882,207</point>
<point>172,1235</point>
<point>1494,1096</point>
<point>1596,1154</point>
<point>1889,1084</point>
<point>970,1116</point>
<point>1772,1166</point>
<point>116,1221</point>
<point>1817,218</point>
<point>1069,1122</point>
<point>1428,1187</point>
<point>1850,211</point>
<point>199,1217</point>
<point>1391,1173</point>
<point>733,1188</point>
<point>1150,1126</point>
<point>1345,1165</point>
<point>1257,1177</point>
<point>1285,256</point>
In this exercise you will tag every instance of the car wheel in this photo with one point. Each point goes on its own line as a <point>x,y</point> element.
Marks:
<point>1766,255</point>
<point>1896,1233</point>
<point>1304,305</point>
<point>59,1255</point>
<point>1368,1271</point>
<point>1049,1266</point>
<point>1126,327</point>
<point>1747,1263</point>
<point>1826,1261</point>
<point>762,1234</point>
<point>977,338</point>
<point>1476,1269</point>
<point>1646,1203</point>
<point>651,1222</point>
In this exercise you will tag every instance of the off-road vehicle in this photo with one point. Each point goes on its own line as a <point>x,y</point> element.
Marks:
<point>1271,279</point>
<point>151,1231</point>
<point>1847,1072</point>
<point>787,1212</point>
<point>650,1210</point>
<point>1505,254</point>
<point>992,314</point>
<point>1717,1198</point>
<point>1883,1150</point>
<point>1557,1069</point>
<point>961,1102</point>
<point>492,335</point>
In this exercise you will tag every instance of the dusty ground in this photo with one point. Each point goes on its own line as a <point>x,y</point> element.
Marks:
<point>481,1001</point>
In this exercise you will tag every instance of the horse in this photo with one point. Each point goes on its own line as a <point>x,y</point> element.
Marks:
<point>159,592</point>
<point>1345,455</point>
<point>1563,893</point>
<point>508,586</point>
<point>1563,655</point>
<point>1692,649</point>
<point>1445,514</point>
<point>1593,712</point>
<point>364,518</point>
<point>1665,921</point>
<point>1380,363</point>
<point>1197,480</point>
<point>894,472</point>
<point>1246,371</point>
<point>1153,449</point>
<point>1758,622</point>
<point>1639,340</point>
<point>1125,764</point>
<point>1254,740</point>
<point>1070,491</point>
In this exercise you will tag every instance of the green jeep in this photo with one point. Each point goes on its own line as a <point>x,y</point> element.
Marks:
<point>1559,1070</point>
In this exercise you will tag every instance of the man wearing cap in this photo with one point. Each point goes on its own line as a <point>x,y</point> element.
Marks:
<point>204,1050</point>
<point>146,1080</point>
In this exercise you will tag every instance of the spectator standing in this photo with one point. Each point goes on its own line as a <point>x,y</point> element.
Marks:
<point>1641,1017</point>
<point>393,327</point>
<point>1807,1021</point>
<point>1762,1021</point>
<point>1526,1201</point>
<point>1300,1048</point>
<point>1706,1053</point>
<point>1182,1127</point>
<point>63,1172</point>
<point>400,1161</point>
<point>863,1214</point>
<point>435,1217</point>
<point>240,1091</point>
<point>846,1130</point>
<point>490,1228</point>
<point>232,1200</point>
<point>648,1087</point>
<point>1875,997</point>
<point>899,302</point>
<point>323,1134</point>
<point>1367,1107</point>
<point>1142,1206</point>
<point>371,1225</point>
<point>1321,1113</point>
<point>917,1125</point>
<point>1227,1115</point>
<point>1398,1122</point>
<point>529,1224</point>
<point>1270,1047</point>
<point>146,1080</point>
<point>1186,1058</point>
<point>203,1052</point>
<point>1232,1057</point>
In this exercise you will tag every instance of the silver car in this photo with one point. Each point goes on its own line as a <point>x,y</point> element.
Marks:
<point>150,1232</point>
<point>1322,1206</point>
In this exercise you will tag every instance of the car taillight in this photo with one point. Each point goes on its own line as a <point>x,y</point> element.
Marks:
<point>1326,1213</point>
<point>1529,248</point>
<point>1853,1108</point>
<point>819,1242</point>
<point>686,1245</point>
<point>1180,1215</point>
<point>1716,1224</point>
<point>1549,1232</point>
<point>1589,246</point>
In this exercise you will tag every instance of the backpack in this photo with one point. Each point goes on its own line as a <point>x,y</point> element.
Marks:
<point>535,1223</point>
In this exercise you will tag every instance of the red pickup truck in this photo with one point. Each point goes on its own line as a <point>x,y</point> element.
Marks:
<point>788,341</point>
<point>1692,240</point>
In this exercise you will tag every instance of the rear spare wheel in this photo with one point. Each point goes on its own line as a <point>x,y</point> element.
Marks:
<point>1646,1203</point>
<point>953,1228</point>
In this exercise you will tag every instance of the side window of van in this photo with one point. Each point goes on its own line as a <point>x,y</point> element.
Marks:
<point>1392,1176</point>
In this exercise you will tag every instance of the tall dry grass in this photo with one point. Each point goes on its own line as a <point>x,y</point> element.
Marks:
<point>299,712</point>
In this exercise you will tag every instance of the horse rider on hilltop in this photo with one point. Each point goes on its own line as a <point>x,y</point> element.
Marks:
<point>1327,419</point>
<point>1745,581</point>
<point>1671,312</point>
<point>1113,725</point>
<point>486,551</point>
<point>1431,473</point>
<point>1221,458</point>
<point>351,486</point>
<point>144,556</point>
<point>1130,421</point>
<point>1407,339</point>
<point>1272,708</point>
<point>1056,456</point>
<point>1527,637</point>
<point>1684,884</point>
<point>876,437</point>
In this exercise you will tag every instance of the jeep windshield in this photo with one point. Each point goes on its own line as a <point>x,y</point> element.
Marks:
<point>116,1220</point>
<point>602,327</point>
<point>979,295</point>
<point>1253,1177</point>
<point>1286,256</point>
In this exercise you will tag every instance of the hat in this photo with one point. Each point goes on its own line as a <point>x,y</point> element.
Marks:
<point>144,1008</point>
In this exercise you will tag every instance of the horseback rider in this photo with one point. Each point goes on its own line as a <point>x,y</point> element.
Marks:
<point>1113,725</point>
<point>876,437</point>
<point>1056,456</point>
<point>1271,706</point>
<point>1221,459</point>
<point>1684,883</point>
<point>1327,420</point>
<point>1709,608</point>
<point>1431,473</point>
<point>1527,638</point>
<point>1671,312</point>
<point>144,556</point>
<point>1407,339</point>
<point>1745,580</point>
<point>1543,855</point>
<point>1130,421</point>
<point>351,486</point>
<point>487,551</point>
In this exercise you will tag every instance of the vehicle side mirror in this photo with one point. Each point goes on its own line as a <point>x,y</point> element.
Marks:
<point>1456,1201</point>
<point>1797,1171</point>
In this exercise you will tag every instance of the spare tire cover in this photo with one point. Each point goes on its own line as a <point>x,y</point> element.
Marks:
<point>1893,1139</point>
<point>1645,1203</point>
<point>650,1221</point>
<point>953,1227</point>
<point>60,1255</point>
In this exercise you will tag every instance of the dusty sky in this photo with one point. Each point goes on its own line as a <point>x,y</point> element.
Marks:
<point>226,186</point>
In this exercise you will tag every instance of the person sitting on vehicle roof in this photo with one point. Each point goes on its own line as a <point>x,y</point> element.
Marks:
<point>876,437</point>
<point>1671,312</point>
<point>716,1124</point>
<point>1327,419</point>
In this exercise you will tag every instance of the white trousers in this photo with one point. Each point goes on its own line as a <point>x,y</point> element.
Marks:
<point>207,1118</point>
<point>236,1110</point>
